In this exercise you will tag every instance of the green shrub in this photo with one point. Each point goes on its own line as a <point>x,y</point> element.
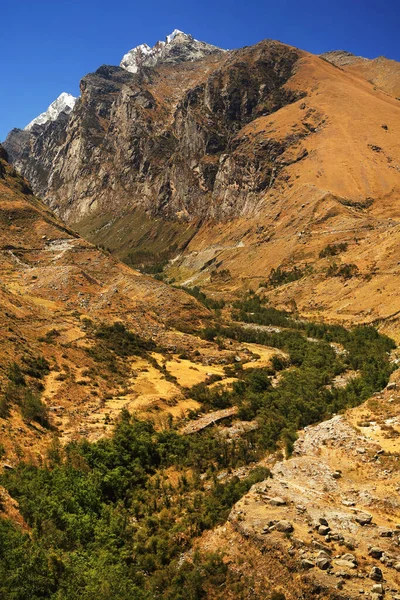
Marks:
<point>282,276</point>
<point>253,309</point>
<point>36,366</point>
<point>33,409</point>
<point>333,249</point>
<point>15,374</point>
<point>123,342</point>
<point>203,299</point>
<point>345,271</point>
<point>4,408</point>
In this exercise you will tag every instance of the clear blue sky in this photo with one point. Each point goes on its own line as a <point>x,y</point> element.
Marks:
<point>46,47</point>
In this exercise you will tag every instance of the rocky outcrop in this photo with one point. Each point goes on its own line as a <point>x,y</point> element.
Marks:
<point>341,58</point>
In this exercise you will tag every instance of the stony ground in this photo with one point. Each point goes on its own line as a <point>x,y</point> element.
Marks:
<point>327,524</point>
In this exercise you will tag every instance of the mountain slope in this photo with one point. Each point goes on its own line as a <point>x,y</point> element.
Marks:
<point>381,71</point>
<point>236,164</point>
<point>338,494</point>
<point>56,291</point>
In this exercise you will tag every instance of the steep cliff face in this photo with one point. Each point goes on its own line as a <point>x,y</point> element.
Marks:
<point>164,139</point>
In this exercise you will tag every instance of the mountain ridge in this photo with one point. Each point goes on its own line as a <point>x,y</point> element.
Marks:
<point>243,158</point>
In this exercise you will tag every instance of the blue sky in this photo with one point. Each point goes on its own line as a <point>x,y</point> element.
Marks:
<point>47,47</point>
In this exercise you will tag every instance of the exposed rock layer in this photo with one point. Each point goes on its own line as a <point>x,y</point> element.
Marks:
<point>165,139</point>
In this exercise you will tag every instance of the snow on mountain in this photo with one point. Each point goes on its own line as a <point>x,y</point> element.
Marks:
<point>64,103</point>
<point>173,35</point>
<point>178,47</point>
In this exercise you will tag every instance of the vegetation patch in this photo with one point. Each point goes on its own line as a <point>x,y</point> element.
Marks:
<point>24,393</point>
<point>109,523</point>
<point>114,343</point>
<point>254,309</point>
<point>281,276</point>
<point>361,205</point>
<point>345,271</point>
<point>203,299</point>
<point>333,249</point>
<point>112,519</point>
<point>123,342</point>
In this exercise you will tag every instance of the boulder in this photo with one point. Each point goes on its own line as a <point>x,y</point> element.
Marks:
<point>323,563</point>
<point>323,530</point>
<point>363,518</point>
<point>343,574</point>
<point>307,564</point>
<point>349,557</point>
<point>277,501</point>
<point>386,533</point>
<point>336,537</point>
<point>376,574</point>
<point>348,503</point>
<point>284,526</point>
<point>375,552</point>
<point>320,546</point>
<point>345,564</point>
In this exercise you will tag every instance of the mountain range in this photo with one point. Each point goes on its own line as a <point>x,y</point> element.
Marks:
<point>237,162</point>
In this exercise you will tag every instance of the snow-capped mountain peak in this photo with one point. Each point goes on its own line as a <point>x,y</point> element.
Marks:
<point>177,47</point>
<point>173,35</point>
<point>64,103</point>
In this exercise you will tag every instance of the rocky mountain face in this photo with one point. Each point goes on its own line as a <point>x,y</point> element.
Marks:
<point>237,163</point>
<point>161,137</point>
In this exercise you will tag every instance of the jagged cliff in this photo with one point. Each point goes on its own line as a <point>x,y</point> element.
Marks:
<point>177,47</point>
<point>162,139</point>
